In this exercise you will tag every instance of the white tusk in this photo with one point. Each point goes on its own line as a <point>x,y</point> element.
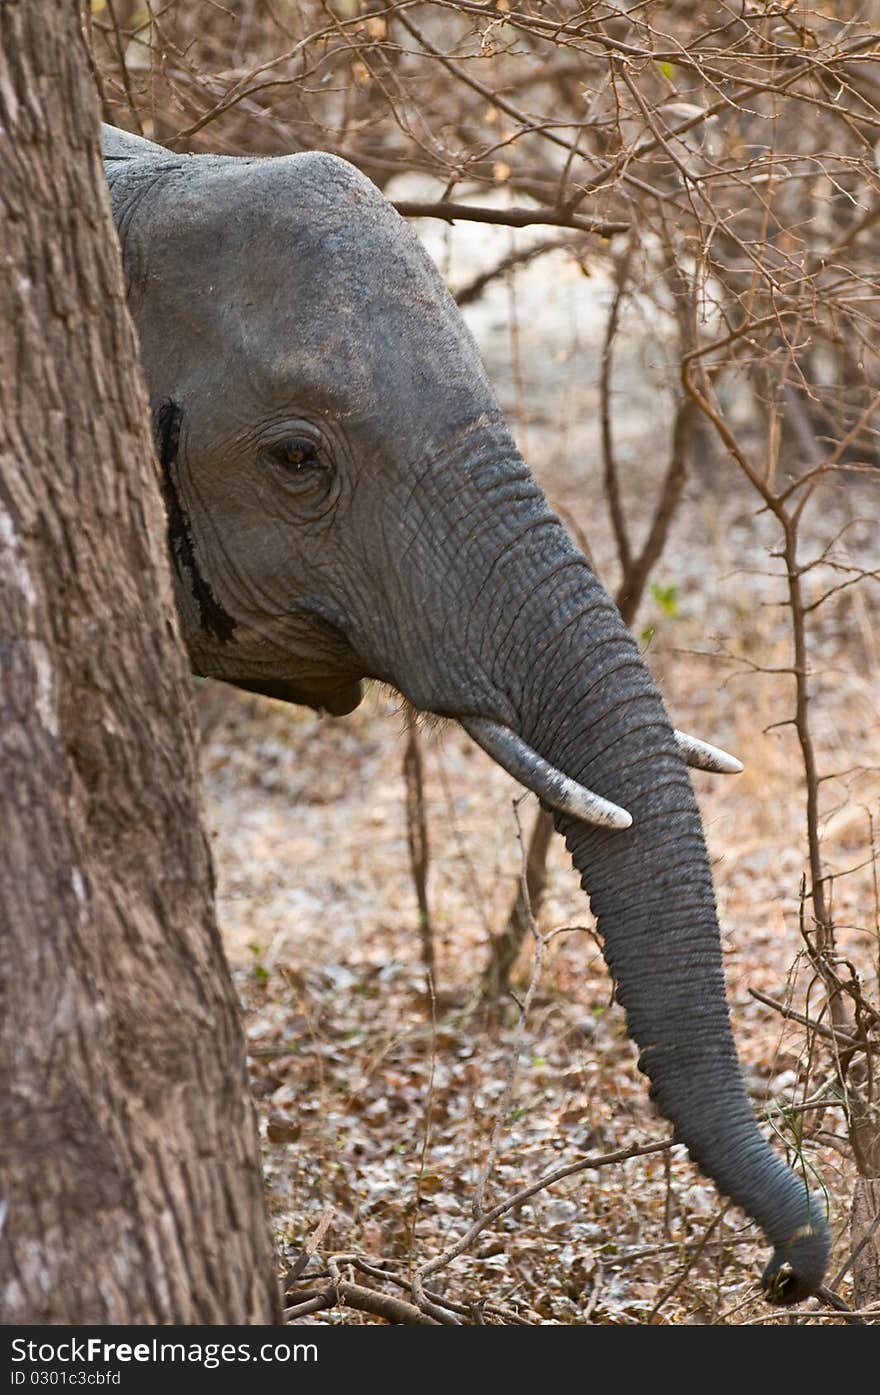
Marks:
<point>549,784</point>
<point>701,756</point>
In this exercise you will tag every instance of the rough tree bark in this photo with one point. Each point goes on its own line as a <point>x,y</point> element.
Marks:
<point>129,1165</point>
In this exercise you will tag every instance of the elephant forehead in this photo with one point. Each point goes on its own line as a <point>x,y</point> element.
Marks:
<point>277,284</point>
<point>298,251</point>
<point>339,259</point>
<point>311,209</point>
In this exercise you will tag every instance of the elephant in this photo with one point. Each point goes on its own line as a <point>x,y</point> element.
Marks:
<point>346,502</point>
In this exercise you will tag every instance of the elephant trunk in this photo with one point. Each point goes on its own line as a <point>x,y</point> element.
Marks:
<point>589,709</point>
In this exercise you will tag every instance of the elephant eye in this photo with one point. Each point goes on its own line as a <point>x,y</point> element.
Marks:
<point>298,454</point>
<point>304,470</point>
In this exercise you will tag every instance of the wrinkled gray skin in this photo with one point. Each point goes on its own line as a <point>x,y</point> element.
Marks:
<point>284,299</point>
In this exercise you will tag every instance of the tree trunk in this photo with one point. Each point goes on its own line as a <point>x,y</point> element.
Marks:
<point>865,1213</point>
<point>865,1238</point>
<point>129,1163</point>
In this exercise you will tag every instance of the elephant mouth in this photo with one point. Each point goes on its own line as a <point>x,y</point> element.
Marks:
<point>337,700</point>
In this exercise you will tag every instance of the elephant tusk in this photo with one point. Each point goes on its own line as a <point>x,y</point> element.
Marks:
<point>699,755</point>
<point>549,784</point>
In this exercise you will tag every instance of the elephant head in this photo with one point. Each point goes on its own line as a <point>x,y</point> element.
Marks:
<point>345,501</point>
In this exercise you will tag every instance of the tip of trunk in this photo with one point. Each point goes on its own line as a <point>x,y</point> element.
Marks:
<point>796,1270</point>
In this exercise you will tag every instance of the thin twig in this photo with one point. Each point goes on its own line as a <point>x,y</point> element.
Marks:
<point>830,1033</point>
<point>417,837</point>
<point>558,1175</point>
<point>507,217</point>
<point>478,1206</point>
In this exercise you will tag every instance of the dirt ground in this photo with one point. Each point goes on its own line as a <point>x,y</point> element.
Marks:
<point>377,1106</point>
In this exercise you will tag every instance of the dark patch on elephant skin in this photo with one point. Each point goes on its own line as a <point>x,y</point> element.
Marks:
<point>180,541</point>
